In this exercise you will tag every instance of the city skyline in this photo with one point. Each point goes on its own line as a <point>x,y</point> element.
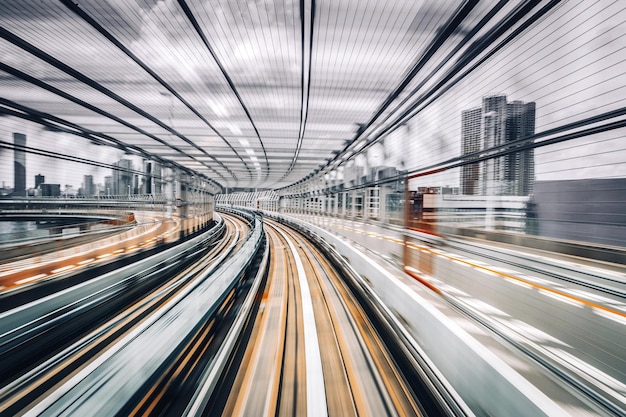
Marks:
<point>138,175</point>
<point>55,170</point>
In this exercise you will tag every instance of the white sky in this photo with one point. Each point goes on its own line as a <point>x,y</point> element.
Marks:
<point>571,64</point>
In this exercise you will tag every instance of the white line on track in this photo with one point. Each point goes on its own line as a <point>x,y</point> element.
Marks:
<point>315,388</point>
<point>33,278</point>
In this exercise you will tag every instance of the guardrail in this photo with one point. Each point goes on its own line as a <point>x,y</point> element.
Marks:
<point>106,384</point>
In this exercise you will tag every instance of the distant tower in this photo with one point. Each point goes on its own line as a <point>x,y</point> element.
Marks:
<point>39,179</point>
<point>147,180</point>
<point>471,142</point>
<point>494,124</point>
<point>493,171</point>
<point>88,186</point>
<point>135,187</point>
<point>156,178</point>
<point>108,185</point>
<point>122,177</point>
<point>520,123</point>
<point>19,140</point>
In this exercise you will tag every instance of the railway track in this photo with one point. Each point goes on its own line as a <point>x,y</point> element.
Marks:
<point>34,364</point>
<point>304,344</point>
<point>313,350</point>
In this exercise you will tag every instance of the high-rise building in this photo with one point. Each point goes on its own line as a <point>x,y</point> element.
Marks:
<point>108,185</point>
<point>39,179</point>
<point>89,188</point>
<point>521,124</point>
<point>157,181</point>
<point>151,180</point>
<point>147,179</point>
<point>471,142</point>
<point>123,177</point>
<point>494,124</point>
<point>135,188</point>
<point>19,164</point>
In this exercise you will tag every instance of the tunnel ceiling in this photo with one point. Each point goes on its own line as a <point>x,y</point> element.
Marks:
<point>248,93</point>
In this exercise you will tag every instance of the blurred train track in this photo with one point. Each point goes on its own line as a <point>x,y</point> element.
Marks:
<point>34,362</point>
<point>307,343</point>
<point>313,350</point>
<point>90,250</point>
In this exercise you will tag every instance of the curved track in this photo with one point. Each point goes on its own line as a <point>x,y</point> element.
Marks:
<point>313,350</point>
<point>308,346</point>
<point>32,368</point>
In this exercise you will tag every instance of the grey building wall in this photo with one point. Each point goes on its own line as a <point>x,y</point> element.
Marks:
<point>589,210</point>
<point>50,190</point>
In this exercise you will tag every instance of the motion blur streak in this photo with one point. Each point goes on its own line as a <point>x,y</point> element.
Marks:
<point>322,207</point>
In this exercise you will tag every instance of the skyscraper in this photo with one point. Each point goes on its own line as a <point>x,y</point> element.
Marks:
<point>470,174</point>
<point>39,179</point>
<point>108,185</point>
<point>123,177</point>
<point>147,179</point>
<point>494,124</point>
<point>156,178</point>
<point>89,188</point>
<point>521,124</point>
<point>19,164</point>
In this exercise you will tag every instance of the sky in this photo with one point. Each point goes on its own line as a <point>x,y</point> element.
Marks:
<point>570,63</point>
